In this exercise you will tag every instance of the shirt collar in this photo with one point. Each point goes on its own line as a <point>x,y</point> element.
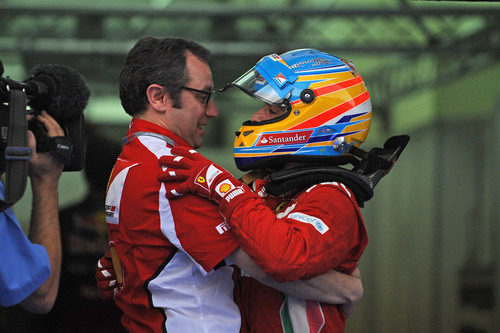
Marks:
<point>141,125</point>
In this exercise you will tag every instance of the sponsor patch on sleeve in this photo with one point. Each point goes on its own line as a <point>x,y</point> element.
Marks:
<point>317,223</point>
<point>224,187</point>
<point>212,172</point>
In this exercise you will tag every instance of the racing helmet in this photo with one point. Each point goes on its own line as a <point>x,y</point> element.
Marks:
<point>327,110</point>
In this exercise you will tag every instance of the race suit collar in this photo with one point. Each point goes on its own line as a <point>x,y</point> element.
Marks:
<point>141,125</point>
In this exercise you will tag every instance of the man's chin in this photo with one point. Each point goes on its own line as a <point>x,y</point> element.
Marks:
<point>198,140</point>
<point>198,144</point>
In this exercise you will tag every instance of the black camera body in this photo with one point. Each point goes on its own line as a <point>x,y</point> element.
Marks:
<point>74,131</point>
<point>62,93</point>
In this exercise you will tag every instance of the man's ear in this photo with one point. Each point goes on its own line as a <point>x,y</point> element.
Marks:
<point>158,97</point>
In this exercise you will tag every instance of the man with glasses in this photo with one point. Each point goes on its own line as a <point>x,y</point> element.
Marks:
<point>172,253</point>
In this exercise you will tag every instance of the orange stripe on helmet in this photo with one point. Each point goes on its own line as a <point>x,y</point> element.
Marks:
<point>333,112</point>
<point>334,87</point>
<point>338,86</point>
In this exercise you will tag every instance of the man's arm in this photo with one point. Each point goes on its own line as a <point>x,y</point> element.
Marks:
<point>44,172</point>
<point>320,233</point>
<point>332,287</point>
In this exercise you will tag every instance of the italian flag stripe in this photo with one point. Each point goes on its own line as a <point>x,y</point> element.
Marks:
<point>299,315</point>
<point>315,316</point>
<point>286,324</point>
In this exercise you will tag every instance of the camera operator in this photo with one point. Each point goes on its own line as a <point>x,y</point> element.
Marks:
<point>30,266</point>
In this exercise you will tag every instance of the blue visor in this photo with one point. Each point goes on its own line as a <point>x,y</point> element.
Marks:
<point>270,80</point>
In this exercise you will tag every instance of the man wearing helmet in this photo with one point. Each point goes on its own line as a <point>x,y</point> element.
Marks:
<point>302,217</point>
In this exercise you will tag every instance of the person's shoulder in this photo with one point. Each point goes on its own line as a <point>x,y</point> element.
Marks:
<point>155,144</point>
<point>144,152</point>
<point>333,195</point>
<point>329,189</point>
<point>330,198</point>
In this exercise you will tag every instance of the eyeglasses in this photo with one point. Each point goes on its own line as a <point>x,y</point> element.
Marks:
<point>208,94</point>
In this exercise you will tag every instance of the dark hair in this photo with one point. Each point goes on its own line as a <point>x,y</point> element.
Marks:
<point>161,61</point>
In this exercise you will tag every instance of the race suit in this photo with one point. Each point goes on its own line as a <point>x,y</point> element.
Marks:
<point>316,230</point>
<point>172,252</point>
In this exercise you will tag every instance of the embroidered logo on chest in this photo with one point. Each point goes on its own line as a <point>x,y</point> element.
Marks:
<point>223,227</point>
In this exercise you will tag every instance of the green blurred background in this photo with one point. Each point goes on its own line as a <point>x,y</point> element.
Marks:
<point>432,69</point>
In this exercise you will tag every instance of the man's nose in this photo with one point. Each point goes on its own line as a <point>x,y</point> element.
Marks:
<point>212,111</point>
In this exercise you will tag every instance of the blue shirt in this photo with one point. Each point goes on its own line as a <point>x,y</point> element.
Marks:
<point>24,266</point>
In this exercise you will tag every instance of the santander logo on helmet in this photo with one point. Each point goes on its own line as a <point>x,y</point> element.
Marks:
<point>284,138</point>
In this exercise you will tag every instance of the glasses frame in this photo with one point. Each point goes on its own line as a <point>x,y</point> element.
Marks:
<point>208,93</point>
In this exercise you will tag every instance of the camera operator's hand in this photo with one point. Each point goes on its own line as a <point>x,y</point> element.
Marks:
<point>45,165</point>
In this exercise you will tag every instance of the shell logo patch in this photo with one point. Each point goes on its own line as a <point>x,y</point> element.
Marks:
<point>224,187</point>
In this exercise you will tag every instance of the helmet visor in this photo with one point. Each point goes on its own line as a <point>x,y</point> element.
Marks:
<point>270,80</point>
<point>255,85</point>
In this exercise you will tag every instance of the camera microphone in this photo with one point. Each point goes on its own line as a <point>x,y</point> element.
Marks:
<point>62,92</point>
<point>40,87</point>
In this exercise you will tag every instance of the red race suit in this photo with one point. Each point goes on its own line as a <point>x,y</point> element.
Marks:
<point>170,251</point>
<point>316,230</point>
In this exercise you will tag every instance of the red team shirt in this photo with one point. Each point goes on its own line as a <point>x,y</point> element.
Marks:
<point>168,249</point>
<point>171,250</point>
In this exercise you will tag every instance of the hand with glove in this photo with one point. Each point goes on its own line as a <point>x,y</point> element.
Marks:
<point>187,171</point>
<point>106,277</point>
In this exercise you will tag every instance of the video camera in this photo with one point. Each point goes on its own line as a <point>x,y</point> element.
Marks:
<point>63,93</point>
